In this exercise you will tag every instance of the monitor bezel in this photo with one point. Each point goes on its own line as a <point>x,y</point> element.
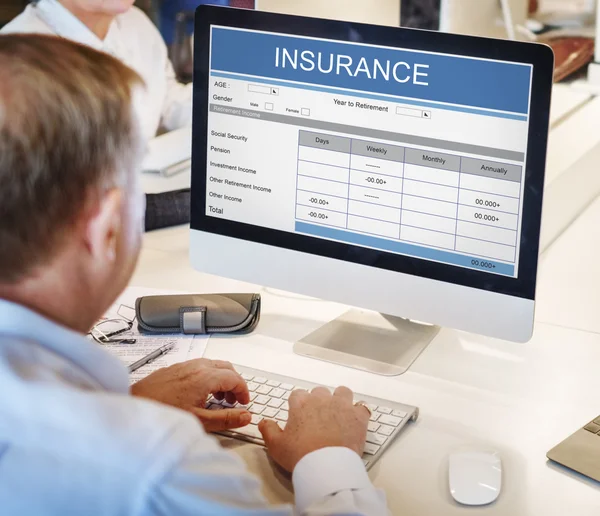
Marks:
<point>537,55</point>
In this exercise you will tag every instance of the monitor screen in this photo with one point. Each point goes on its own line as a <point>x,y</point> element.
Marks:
<point>380,146</point>
<point>414,153</point>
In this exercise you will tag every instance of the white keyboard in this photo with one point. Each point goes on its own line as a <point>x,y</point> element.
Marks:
<point>269,395</point>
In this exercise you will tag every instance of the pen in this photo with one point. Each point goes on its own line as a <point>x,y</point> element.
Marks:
<point>163,350</point>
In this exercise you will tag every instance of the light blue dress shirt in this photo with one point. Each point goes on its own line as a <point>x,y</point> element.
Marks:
<point>73,441</point>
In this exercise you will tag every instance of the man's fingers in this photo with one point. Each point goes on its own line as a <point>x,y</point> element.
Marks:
<point>321,391</point>
<point>270,431</point>
<point>363,410</point>
<point>344,393</point>
<point>222,364</point>
<point>226,419</point>
<point>229,381</point>
<point>297,398</point>
<point>230,398</point>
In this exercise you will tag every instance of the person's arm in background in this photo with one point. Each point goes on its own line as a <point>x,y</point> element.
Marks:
<point>177,110</point>
<point>177,107</point>
<point>321,446</point>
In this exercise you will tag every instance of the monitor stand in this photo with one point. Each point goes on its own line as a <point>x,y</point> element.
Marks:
<point>366,340</point>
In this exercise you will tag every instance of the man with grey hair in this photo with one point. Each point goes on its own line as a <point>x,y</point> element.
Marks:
<point>74,438</point>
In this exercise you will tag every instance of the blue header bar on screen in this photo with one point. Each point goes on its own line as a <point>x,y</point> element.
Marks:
<point>406,73</point>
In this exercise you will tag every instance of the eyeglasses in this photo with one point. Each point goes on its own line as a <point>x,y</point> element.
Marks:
<point>113,330</point>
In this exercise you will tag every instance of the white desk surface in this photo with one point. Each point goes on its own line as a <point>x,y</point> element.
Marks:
<point>568,291</point>
<point>520,399</point>
<point>570,139</point>
<point>565,100</point>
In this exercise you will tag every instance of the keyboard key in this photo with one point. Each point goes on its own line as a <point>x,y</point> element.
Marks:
<point>372,408</point>
<point>286,396</point>
<point>261,399</point>
<point>375,416</point>
<point>249,430</point>
<point>215,401</point>
<point>282,415</point>
<point>384,410</point>
<point>389,420</point>
<point>215,407</point>
<point>275,402</point>
<point>264,389</point>
<point>371,448</point>
<point>282,424</point>
<point>287,386</point>
<point>256,419</point>
<point>592,427</point>
<point>260,379</point>
<point>386,430</point>
<point>597,420</point>
<point>373,426</point>
<point>376,438</point>
<point>270,412</point>
<point>256,409</point>
<point>247,376</point>
<point>399,413</point>
<point>366,462</point>
<point>285,406</point>
<point>277,393</point>
<point>273,383</point>
<point>253,396</point>
<point>252,386</point>
<point>225,404</point>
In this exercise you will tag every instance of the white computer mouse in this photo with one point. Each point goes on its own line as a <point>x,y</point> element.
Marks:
<point>475,477</point>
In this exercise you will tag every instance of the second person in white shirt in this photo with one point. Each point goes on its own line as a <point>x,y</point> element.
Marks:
<point>119,28</point>
<point>124,31</point>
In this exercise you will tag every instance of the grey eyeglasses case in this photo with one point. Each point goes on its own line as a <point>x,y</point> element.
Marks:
<point>198,313</point>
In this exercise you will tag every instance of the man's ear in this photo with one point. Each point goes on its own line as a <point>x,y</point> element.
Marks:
<point>104,226</point>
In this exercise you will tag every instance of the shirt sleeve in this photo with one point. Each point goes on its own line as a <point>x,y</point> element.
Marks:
<point>174,100</point>
<point>334,481</point>
<point>209,480</point>
<point>177,108</point>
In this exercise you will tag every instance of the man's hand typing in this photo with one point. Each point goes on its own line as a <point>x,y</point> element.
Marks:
<point>188,385</point>
<point>317,420</point>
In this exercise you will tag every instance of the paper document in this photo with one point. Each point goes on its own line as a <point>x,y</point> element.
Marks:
<point>129,353</point>
<point>169,153</point>
<point>186,347</point>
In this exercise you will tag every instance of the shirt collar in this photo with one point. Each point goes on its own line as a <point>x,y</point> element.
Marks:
<point>86,356</point>
<point>65,24</point>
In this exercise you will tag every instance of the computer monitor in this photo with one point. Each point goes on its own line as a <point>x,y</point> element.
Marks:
<point>394,170</point>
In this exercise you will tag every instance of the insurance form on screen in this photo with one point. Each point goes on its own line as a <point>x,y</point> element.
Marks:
<point>415,153</point>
